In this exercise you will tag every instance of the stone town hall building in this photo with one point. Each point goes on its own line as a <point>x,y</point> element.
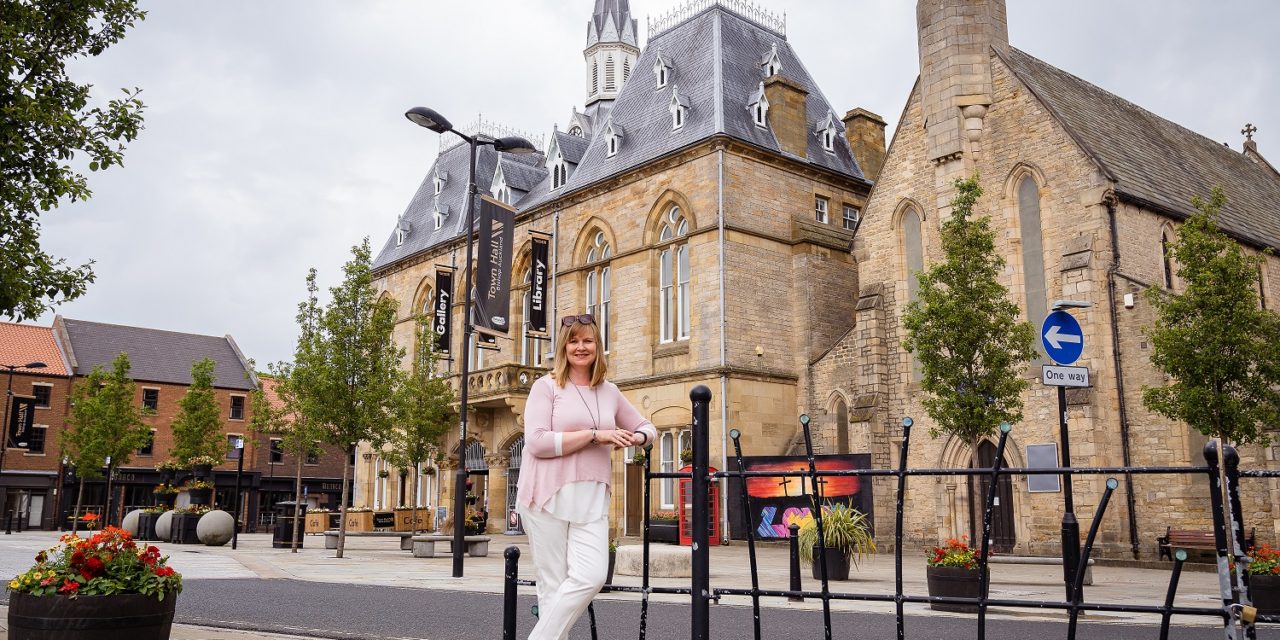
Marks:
<point>702,205</point>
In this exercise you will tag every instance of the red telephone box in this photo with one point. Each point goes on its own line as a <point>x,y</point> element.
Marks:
<point>686,509</point>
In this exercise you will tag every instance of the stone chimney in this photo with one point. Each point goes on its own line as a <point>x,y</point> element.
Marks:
<point>865,132</point>
<point>787,114</point>
<point>955,39</point>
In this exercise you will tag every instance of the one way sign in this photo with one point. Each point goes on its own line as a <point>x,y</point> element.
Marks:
<point>1063,340</point>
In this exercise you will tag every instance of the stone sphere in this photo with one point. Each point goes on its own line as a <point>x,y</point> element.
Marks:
<point>164,525</point>
<point>215,528</point>
<point>130,522</point>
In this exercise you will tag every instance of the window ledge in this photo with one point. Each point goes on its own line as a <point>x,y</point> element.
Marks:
<point>667,349</point>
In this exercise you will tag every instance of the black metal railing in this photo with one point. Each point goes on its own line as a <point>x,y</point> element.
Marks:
<point>1237,614</point>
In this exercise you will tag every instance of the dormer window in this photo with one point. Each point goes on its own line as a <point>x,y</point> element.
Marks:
<point>759,107</point>
<point>679,108</point>
<point>439,180</point>
<point>559,174</point>
<point>771,63</point>
<point>402,230</point>
<point>499,188</point>
<point>661,69</point>
<point>576,131</point>
<point>828,131</point>
<point>438,216</point>
<point>612,139</point>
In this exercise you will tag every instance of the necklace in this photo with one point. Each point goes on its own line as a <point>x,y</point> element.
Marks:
<point>595,424</point>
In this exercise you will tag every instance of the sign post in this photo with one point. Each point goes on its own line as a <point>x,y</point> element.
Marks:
<point>1063,341</point>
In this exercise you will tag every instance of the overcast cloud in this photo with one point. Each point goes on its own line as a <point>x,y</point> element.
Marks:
<point>275,137</point>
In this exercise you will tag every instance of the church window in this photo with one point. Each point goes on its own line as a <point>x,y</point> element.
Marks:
<point>575,130</point>
<point>609,84</point>
<point>842,427</point>
<point>531,352</point>
<point>913,255</point>
<point>820,205</point>
<point>1032,249</point>
<point>1166,259</point>
<point>598,281</point>
<point>559,173</point>
<point>674,303</point>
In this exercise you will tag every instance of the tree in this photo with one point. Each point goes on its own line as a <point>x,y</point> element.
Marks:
<point>352,367</point>
<point>276,417</point>
<point>197,429</point>
<point>966,332</point>
<point>104,424</point>
<point>422,411</point>
<point>1220,348</point>
<point>46,121</point>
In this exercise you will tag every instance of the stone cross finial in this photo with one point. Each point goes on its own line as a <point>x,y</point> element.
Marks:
<point>1248,131</point>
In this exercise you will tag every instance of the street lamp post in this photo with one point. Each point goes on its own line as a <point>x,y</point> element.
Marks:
<point>1070,525</point>
<point>235,522</point>
<point>430,119</point>
<point>8,402</point>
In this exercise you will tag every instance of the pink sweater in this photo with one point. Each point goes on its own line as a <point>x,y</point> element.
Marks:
<point>551,410</point>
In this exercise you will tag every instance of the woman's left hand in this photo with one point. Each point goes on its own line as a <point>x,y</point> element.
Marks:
<point>616,438</point>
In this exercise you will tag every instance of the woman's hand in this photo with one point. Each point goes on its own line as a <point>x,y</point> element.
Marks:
<point>615,438</point>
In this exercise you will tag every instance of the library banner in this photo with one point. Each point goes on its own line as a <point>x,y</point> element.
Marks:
<point>493,267</point>
<point>440,305</point>
<point>538,283</point>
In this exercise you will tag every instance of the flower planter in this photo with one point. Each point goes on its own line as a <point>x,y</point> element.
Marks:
<point>837,562</point>
<point>182,529</point>
<point>404,520</point>
<point>200,496</point>
<point>317,522</point>
<point>953,582</point>
<point>1265,592</point>
<point>360,521</point>
<point>165,499</point>
<point>664,531</point>
<point>147,526</point>
<point>116,617</point>
<point>202,470</point>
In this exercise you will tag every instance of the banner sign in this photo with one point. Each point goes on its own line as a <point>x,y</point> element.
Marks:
<point>440,305</point>
<point>21,418</point>
<point>778,501</point>
<point>538,281</point>
<point>493,267</point>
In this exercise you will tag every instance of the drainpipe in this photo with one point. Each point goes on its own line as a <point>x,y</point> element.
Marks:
<point>555,279</point>
<point>1130,503</point>
<point>724,381</point>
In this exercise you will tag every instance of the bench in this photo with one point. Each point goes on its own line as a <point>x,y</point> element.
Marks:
<point>424,546</point>
<point>1057,562</point>
<point>331,537</point>
<point>1197,539</point>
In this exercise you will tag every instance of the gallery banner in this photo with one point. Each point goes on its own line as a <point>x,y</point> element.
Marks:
<point>778,501</point>
<point>538,283</point>
<point>440,309</point>
<point>493,267</point>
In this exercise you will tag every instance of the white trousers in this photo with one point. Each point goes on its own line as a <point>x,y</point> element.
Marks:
<point>571,561</point>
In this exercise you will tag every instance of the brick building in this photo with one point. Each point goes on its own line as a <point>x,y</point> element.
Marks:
<point>29,474</point>
<point>1085,190</point>
<point>701,205</point>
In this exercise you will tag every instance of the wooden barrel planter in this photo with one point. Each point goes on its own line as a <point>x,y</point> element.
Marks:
<point>953,582</point>
<point>128,616</point>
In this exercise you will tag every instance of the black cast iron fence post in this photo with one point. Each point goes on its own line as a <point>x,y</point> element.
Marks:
<point>700,494</point>
<point>984,572</point>
<point>897,530</point>
<point>751,538</point>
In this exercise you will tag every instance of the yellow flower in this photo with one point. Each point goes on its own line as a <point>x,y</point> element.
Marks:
<point>36,575</point>
<point>14,584</point>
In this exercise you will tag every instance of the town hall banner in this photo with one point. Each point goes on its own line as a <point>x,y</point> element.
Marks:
<point>777,501</point>
<point>493,267</point>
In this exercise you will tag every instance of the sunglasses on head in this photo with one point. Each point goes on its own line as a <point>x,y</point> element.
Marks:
<point>569,321</point>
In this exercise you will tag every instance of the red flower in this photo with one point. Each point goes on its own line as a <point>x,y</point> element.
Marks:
<point>94,566</point>
<point>77,558</point>
<point>69,586</point>
<point>153,550</point>
<point>164,572</point>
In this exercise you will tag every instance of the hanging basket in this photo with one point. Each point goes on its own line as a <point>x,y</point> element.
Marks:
<point>128,616</point>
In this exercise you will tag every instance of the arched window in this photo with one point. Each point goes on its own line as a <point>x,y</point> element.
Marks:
<point>475,456</point>
<point>530,346</point>
<point>598,277</point>
<point>1166,259</point>
<point>1032,249</point>
<point>913,254</point>
<point>674,276</point>
<point>842,427</point>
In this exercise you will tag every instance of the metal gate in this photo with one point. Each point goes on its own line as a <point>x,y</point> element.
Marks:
<point>1235,610</point>
<point>514,525</point>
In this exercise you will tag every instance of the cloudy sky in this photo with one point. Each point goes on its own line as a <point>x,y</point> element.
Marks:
<point>275,136</point>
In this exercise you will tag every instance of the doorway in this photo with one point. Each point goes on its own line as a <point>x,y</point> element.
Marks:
<point>1003,534</point>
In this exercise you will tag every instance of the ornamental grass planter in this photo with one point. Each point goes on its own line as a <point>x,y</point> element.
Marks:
<point>1264,590</point>
<point>953,582</point>
<point>837,561</point>
<point>128,616</point>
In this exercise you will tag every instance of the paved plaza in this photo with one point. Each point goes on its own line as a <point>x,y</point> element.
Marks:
<point>377,562</point>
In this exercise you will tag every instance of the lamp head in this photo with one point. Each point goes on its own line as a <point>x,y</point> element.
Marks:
<point>429,118</point>
<point>1059,305</point>
<point>514,144</point>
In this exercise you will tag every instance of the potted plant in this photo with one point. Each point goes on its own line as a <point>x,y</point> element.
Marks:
<point>384,474</point>
<point>952,571</point>
<point>846,535</point>
<point>686,457</point>
<point>202,466</point>
<point>664,526</point>
<point>477,521</point>
<point>168,469</point>
<point>1264,580</point>
<point>613,557</point>
<point>200,491</point>
<point>428,471</point>
<point>106,583</point>
<point>182,528</point>
<point>147,522</point>
<point>165,494</point>
<point>639,458</point>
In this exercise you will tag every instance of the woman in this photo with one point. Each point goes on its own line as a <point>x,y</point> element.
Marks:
<point>573,421</point>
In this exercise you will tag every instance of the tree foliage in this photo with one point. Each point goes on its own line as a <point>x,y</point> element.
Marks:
<point>104,421</point>
<point>1220,348</point>
<point>48,122</point>
<point>197,429</point>
<point>966,333</point>
<point>423,415</point>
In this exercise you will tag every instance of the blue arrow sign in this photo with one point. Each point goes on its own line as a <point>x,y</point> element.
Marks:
<point>1063,340</point>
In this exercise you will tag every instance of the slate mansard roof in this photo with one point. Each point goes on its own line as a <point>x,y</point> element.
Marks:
<point>154,355</point>
<point>1154,162</point>
<point>715,58</point>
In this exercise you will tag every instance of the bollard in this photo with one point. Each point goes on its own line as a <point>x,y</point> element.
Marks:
<point>8,523</point>
<point>21,516</point>
<point>795,562</point>
<point>512,555</point>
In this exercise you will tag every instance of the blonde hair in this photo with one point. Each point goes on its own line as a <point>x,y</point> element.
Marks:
<point>561,358</point>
